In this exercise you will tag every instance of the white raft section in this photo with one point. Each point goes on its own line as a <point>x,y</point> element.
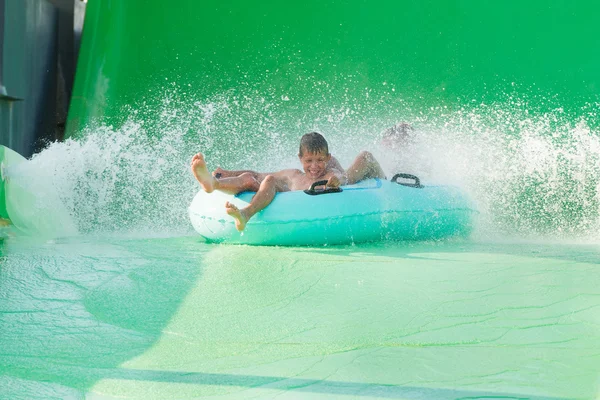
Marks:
<point>371,210</point>
<point>29,204</point>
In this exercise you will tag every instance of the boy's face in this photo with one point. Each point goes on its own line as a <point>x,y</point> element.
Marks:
<point>315,164</point>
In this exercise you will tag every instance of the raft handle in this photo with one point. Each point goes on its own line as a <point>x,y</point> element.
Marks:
<point>417,183</point>
<point>313,191</point>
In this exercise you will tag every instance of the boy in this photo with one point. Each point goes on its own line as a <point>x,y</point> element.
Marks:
<point>316,162</point>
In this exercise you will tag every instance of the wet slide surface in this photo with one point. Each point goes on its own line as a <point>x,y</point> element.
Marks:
<point>174,318</point>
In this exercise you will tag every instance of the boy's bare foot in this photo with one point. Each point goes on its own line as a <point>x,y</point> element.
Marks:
<point>238,215</point>
<point>201,173</point>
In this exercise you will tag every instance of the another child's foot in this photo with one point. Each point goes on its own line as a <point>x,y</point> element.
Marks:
<point>201,173</point>
<point>238,215</point>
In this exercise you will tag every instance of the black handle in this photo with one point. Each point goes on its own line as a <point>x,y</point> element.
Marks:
<point>316,184</point>
<point>313,191</point>
<point>416,184</point>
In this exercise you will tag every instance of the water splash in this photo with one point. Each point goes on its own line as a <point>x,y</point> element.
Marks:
<point>530,173</point>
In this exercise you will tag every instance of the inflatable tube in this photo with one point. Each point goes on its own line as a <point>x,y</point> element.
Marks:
<point>372,210</point>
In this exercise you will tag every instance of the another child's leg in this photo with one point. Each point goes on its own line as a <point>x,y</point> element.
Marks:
<point>263,197</point>
<point>232,185</point>
<point>365,166</point>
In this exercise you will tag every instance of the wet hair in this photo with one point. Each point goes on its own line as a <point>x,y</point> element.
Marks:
<point>313,143</point>
<point>401,130</point>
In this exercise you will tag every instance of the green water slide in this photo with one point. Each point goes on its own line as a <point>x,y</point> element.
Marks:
<point>118,318</point>
<point>383,57</point>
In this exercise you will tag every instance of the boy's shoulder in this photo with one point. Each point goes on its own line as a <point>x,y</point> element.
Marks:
<point>334,165</point>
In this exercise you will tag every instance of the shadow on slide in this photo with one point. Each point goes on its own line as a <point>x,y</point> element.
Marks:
<point>74,310</point>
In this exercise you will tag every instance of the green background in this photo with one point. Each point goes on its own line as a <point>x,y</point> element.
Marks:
<point>387,57</point>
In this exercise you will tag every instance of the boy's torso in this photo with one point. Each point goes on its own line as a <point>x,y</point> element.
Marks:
<point>298,180</point>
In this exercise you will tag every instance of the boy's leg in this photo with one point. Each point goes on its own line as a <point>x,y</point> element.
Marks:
<point>365,166</point>
<point>263,197</point>
<point>238,184</point>
<point>232,185</point>
<point>224,173</point>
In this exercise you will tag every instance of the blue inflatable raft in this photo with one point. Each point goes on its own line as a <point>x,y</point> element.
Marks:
<point>371,210</point>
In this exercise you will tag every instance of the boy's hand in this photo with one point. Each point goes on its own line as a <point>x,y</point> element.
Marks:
<point>333,182</point>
